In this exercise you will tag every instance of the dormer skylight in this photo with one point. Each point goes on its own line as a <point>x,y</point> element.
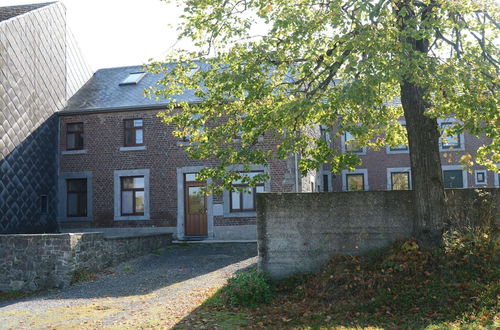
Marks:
<point>133,78</point>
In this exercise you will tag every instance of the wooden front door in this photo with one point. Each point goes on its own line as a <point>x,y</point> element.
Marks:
<point>195,207</point>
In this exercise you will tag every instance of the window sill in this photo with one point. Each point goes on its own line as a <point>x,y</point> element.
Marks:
<point>138,148</point>
<point>186,143</point>
<point>74,152</point>
<point>390,152</point>
<point>74,219</point>
<point>131,218</point>
<point>249,214</point>
<point>451,149</point>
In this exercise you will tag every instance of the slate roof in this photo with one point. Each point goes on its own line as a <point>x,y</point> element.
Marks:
<point>13,11</point>
<point>103,92</point>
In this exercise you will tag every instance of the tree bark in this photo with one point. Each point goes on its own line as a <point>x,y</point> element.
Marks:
<point>428,189</point>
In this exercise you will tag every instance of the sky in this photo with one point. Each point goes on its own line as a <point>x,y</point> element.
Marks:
<point>113,33</point>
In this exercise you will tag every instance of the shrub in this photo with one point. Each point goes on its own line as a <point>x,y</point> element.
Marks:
<point>247,289</point>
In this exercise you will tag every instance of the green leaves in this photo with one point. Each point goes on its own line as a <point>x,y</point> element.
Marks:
<point>267,71</point>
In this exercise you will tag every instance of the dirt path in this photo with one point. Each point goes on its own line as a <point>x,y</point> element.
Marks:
<point>153,291</point>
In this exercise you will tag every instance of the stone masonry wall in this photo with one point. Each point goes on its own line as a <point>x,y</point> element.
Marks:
<point>298,233</point>
<point>40,261</point>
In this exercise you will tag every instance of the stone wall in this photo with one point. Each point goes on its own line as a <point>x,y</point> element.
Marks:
<point>298,233</point>
<point>40,261</point>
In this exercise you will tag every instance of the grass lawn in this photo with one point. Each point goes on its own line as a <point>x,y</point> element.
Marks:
<point>401,287</point>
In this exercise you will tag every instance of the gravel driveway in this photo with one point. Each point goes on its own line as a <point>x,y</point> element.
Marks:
<point>153,291</point>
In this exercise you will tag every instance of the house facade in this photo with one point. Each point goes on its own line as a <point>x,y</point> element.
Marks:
<point>122,171</point>
<point>40,68</point>
<point>390,169</point>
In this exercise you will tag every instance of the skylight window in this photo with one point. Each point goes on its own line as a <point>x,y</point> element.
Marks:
<point>133,78</point>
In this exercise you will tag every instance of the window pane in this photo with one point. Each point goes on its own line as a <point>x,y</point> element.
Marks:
<point>129,123</point>
<point>138,123</point>
<point>77,185</point>
<point>350,143</point>
<point>127,182</point>
<point>400,181</point>
<point>127,202</point>
<point>196,202</point>
<point>72,202</point>
<point>453,179</point>
<point>139,182</point>
<point>235,200</point>
<point>191,177</point>
<point>259,189</point>
<point>129,137</point>
<point>480,177</point>
<point>79,141</point>
<point>449,141</point>
<point>82,209</point>
<point>248,202</point>
<point>75,127</point>
<point>139,202</point>
<point>138,136</point>
<point>355,182</point>
<point>70,141</point>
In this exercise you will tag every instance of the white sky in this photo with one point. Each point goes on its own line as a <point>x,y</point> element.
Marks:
<point>114,33</point>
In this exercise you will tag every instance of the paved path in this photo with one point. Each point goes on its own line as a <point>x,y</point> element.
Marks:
<point>153,291</point>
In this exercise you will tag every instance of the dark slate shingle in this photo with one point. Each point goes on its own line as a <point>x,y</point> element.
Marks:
<point>103,92</point>
<point>13,11</point>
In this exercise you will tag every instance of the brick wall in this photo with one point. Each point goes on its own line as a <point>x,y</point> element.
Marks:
<point>104,135</point>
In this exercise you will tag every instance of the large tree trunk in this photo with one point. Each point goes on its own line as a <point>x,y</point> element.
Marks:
<point>423,138</point>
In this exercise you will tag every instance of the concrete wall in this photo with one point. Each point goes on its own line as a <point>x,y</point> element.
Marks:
<point>40,261</point>
<point>33,78</point>
<point>298,233</point>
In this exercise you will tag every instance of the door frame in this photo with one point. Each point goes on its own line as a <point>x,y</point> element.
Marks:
<point>181,205</point>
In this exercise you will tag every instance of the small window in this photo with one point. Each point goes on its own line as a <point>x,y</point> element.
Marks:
<point>449,141</point>
<point>74,136</point>
<point>326,184</point>
<point>132,195</point>
<point>201,128</point>
<point>351,145</point>
<point>134,132</point>
<point>453,179</point>
<point>76,199</point>
<point>355,182</point>
<point>324,131</point>
<point>401,147</point>
<point>44,204</point>
<point>480,177</point>
<point>243,199</point>
<point>133,78</point>
<point>400,180</point>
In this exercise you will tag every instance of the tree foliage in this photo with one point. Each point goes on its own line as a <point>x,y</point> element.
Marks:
<point>274,68</point>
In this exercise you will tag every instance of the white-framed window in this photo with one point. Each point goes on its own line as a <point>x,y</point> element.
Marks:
<point>480,177</point>
<point>454,176</point>
<point>131,189</point>
<point>402,149</point>
<point>350,145</point>
<point>356,180</point>
<point>324,131</point>
<point>449,142</point>
<point>75,196</point>
<point>399,178</point>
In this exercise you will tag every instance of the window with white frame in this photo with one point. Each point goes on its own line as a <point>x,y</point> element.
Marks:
<point>480,177</point>
<point>351,145</point>
<point>400,148</point>
<point>242,199</point>
<point>355,180</point>
<point>454,176</point>
<point>449,141</point>
<point>400,180</point>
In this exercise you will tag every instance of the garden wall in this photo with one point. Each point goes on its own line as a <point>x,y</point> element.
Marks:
<point>40,261</point>
<point>298,233</point>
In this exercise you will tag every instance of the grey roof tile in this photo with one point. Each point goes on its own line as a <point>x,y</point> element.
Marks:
<point>13,11</point>
<point>103,92</point>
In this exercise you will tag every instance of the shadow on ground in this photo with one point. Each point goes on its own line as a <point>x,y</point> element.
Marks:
<point>146,274</point>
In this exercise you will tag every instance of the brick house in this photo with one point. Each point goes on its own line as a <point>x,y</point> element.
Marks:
<point>390,169</point>
<point>122,171</point>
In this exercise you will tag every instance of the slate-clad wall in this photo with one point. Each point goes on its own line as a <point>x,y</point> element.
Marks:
<point>298,233</point>
<point>40,261</point>
<point>33,75</point>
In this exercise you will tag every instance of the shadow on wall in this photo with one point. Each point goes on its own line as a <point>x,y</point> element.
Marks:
<point>28,181</point>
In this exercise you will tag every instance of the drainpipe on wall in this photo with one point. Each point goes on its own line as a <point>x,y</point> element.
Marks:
<point>296,173</point>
